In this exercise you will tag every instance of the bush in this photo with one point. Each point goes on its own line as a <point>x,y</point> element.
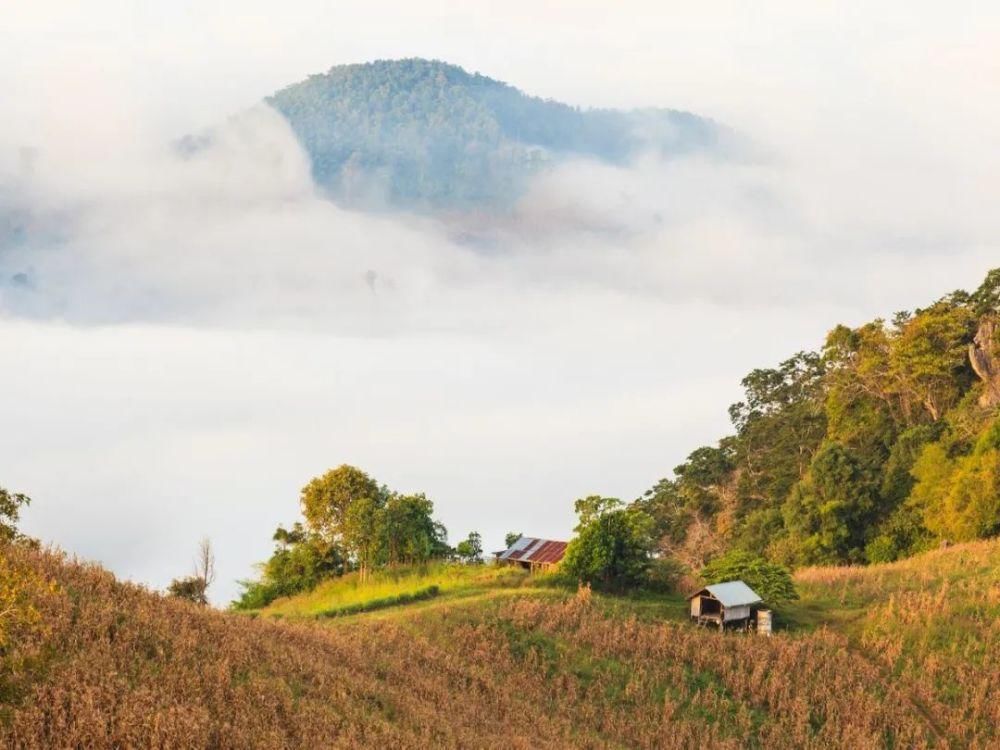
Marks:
<point>771,581</point>
<point>665,575</point>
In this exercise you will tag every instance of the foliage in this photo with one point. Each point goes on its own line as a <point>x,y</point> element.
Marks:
<point>194,588</point>
<point>351,522</point>
<point>471,550</point>
<point>511,536</point>
<point>191,588</point>
<point>829,510</point>
<point>771,581</point>
<point>11,504</point>
<point>612,546</point>
<point>301,559</point>
<point>424,134</point>
<point>872,450</point>
<point>326,499</point>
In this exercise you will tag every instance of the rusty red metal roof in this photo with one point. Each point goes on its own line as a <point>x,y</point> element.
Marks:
<point>537,551</point>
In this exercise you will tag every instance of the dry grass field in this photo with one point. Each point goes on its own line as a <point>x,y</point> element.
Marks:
<point>895,656</point>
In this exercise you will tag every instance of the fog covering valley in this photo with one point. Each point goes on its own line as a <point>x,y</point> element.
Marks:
<point>190,335</point>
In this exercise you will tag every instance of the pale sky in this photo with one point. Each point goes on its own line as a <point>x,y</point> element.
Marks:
<point>207,343</point>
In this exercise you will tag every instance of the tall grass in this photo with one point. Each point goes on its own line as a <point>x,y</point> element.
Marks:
<point>933,623</point>
<point>112,665</point>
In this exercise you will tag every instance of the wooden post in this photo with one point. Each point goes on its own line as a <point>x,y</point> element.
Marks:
<point>764,621</point>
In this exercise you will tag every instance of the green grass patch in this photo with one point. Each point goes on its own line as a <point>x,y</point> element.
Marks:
<point>348,594</point>
<point>387,601</point>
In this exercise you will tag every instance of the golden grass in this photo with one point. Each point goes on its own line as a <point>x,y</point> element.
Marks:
<point>932,623</point>
<point>107,664</point>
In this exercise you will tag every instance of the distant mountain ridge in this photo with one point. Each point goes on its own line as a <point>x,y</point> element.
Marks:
<point>425,134</point>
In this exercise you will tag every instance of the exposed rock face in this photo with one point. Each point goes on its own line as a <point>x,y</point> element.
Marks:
<point>984,354</point>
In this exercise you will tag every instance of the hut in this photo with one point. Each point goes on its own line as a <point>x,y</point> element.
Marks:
<point>724,604</point>
<point>533,554</point>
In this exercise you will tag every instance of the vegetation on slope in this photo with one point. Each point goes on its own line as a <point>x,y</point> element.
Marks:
<point>882,445</point>
<point>451,580</point>
<point>350,523</point>
<point>105,664</point>
<point>933,624</point>
<point>425,134</point>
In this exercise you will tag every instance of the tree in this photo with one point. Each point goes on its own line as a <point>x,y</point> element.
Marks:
<point>779,425</point>
<point>409,533</point>
<point>832,508</point>
<point>301,559</point>
<point>363,532</point>
<point>11,504</point>
<point>593,506</point>
<point>471,549</point>
<point>960,497</point>
<point>511,537</point>
<point>613,544</point>
<point>771,581</point>
<point>326,499</point>
<point>929,356</point>
<point>194,588</point>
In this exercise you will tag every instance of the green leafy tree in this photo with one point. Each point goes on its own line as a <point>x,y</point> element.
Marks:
<point>780,423</point>
<point>363,532</point>
<point>831,509</point>
<point>771,581</point>
<point>511,537</point>
<point>300,560</point>
<point>613,544</point>
<point>471,549</point>
<point>929,356</point>
<point>960,497</point>
<point>408,529</point>
<point>11,504</point>
<point>326,499</point>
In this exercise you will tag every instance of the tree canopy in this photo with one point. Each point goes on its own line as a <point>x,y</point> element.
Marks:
<point>880,445</point>
<point>351,522</point>
<point>424,134</point>
<point>612,546</point>
<point>771,581</point>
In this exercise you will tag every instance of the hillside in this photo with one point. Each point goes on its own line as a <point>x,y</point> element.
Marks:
<point>424,134</point>
<point>883,443</point>
<point>88,661</point>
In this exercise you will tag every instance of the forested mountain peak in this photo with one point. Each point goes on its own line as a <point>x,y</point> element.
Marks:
<point>421,134</point>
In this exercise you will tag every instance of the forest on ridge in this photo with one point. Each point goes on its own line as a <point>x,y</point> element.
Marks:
<point>882,444</point>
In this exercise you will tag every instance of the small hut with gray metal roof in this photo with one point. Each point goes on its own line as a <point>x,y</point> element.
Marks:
<point>533,554</point>
<point>724,604</point>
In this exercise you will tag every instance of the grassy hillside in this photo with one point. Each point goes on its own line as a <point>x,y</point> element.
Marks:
<point>931,623</point>
<point>897,655</point>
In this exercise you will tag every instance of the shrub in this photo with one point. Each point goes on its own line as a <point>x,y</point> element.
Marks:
<point>771,581</point>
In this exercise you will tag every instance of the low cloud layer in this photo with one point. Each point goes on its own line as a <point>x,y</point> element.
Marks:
<point>189,340</point>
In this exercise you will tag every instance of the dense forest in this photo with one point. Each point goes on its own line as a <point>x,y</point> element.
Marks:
<point>884,443</point>
<point>424,134</point>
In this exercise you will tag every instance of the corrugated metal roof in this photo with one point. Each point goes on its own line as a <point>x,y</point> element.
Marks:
<point>731,593</point>
<point>531,550</point>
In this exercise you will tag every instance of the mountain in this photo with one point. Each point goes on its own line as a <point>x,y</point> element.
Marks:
<point>899,655</point>
<point>428,135</point>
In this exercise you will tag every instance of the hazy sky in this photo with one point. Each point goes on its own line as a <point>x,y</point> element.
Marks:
<point>207,341</point>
